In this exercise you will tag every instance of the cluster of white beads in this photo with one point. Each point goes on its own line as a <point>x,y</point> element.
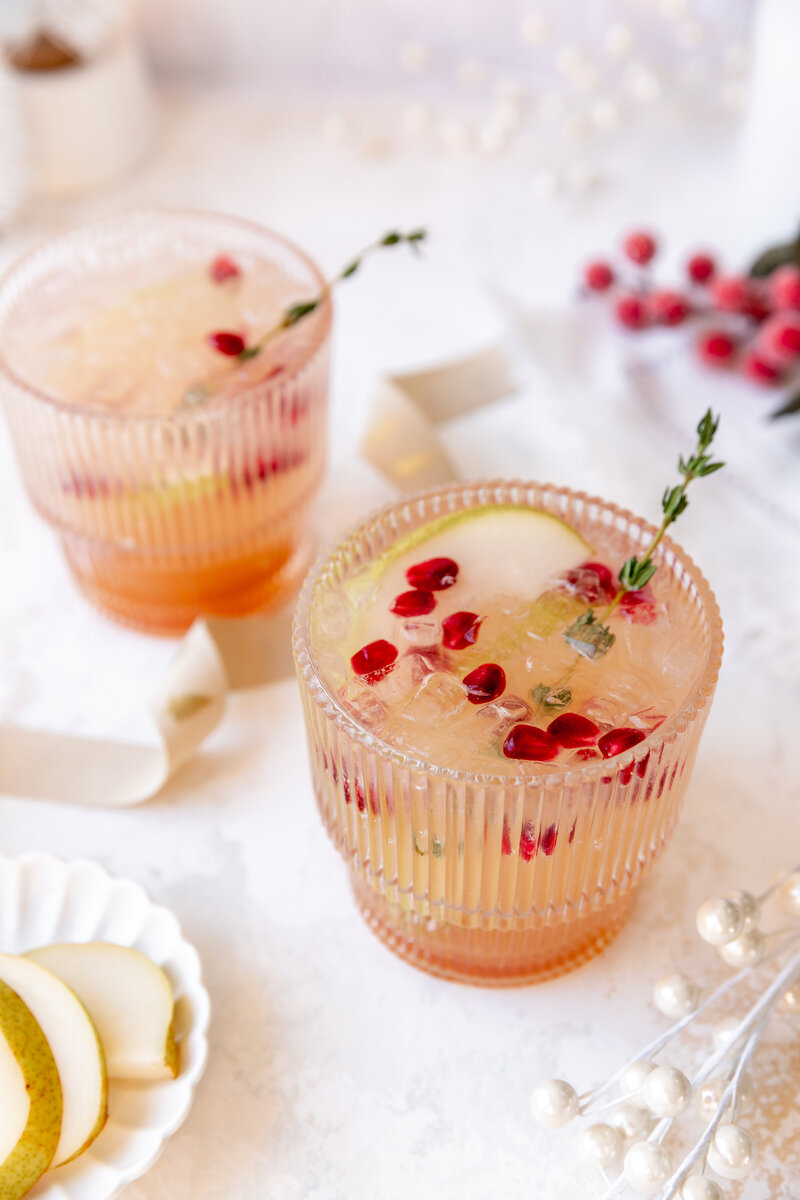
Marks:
<point>731,924</point>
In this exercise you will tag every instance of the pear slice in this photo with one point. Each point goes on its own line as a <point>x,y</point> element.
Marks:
<point>129,999</point>
<point>30,1114</point>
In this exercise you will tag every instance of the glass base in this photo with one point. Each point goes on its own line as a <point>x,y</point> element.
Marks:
<point>491,957</point>
<point>165,595</point>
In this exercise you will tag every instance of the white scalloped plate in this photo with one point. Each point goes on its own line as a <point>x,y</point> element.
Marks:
<point>42,900</point>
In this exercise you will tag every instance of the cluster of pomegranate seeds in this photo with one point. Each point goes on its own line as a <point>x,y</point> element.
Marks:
<point>487,682</point>
<point>749,324</point>
<point>225,342</point>
<point>374,660</point>
<point>223,268</point>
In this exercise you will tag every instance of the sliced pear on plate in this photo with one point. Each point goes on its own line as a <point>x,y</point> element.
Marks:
<point>30,1113</point>
<point>75,1046</point>
<point>129,1000</point>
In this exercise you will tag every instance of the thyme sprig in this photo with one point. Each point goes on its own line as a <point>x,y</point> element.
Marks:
<point>295,313</point>
<point>590,635</point>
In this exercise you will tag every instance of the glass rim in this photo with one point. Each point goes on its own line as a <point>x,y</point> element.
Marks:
<point>674,726</point>
<point>190,415</point>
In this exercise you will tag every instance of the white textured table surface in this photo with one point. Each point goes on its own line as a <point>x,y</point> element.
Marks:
<point>338,1072</point>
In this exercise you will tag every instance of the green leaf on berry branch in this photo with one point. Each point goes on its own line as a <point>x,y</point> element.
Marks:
<point>776,256</point>
<point>791,406</point>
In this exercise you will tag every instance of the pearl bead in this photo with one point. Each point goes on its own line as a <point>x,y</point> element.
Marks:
<point>568,60</point>
<point>744,951</point>
<point>719,921</point>
<point>647,1168</point>
<point>534,29</point>
<point>723,1031</point>
<point>676,995</point>
<point>472,74</point>
<point>414,58</point>
<point>747,906</point>
<point>667,1092</point>
<point>554,1103</point>
<point>604,115</point>
<point>733,1153</point>
<point>633,1123</point>
<point>618,39</point>
<point>632,1082</point>
<point>791,999</point>
<point>789,895</point>
<point>699,1187</point>
<point>746,1091</point>
<point>492,137</point>
<point>708,1096</point>
<point>601,1146</point>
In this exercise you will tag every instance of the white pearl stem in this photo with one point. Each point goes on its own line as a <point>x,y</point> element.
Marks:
<point>778,883</point>
<point>586,1102</point>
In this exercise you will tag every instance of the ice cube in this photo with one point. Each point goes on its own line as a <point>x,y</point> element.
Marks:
<point>647,719</point>
<point>629,690</point>
<point>333,616</point>
<point>439,697</point>
<point>605,713</point>
<point>363,705</point>
<point>405,677</point>
<point>501,715</point>
<point>422,631</point>
<point>332,666</point>
<point>679,663</point>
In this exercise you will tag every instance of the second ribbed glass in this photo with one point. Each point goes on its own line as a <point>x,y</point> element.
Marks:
<point>434,853</point>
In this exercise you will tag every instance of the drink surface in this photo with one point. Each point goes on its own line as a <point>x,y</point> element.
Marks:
<point>483,660</point>
<point>132,337</point>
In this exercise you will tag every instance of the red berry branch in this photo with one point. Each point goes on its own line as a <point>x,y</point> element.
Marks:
<point>748,323</point>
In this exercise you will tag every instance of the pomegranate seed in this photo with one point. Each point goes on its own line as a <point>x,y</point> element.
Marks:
<point>485,683</point>
<point>413,604</point>
<point>528,842</point>
<point>640,607</point>
<point>586,753</point>
<point>716,348</point>
<point>572,730</point>
<point>506,846</point>
<point>571,837</point>
<point>229,344</point>
<point>640,247</point>
<point>760,370</point>
<point>598,276</point>
<point>700,268</point>
<point>361,801</point>
<point>374,660</point>
<point>731,292</point>
<point>547,842</point>
<point>460,630</point>
<point>779,338</point>
<point>223,267</point>
<point>669,308</point>
<point>617,741</point>
<point>784,287</point>
<point>626,775</point>
<point>433,575</point>
<point>531,744</point>
<point>631,312</point>
<point>592,581</point>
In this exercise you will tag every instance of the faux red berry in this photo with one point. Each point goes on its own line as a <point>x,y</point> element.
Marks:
<point>374,660</point>
<point>413,604</point>
<point>640,247</point>
<point>731,293</point>
<point>631,312</point>
<point>460,630</point>
<point>617,741</point>
<point>760,370</point>
<point>669,308</point>
<point>716,348</point>
<point>531,744</point>
<point>229,344</point>
<point>485,683</point>
<point>223,268</point>
<point>784,287</point>
<point>572,730</point>
<point>758,305</point>
<point>598,276</point>
<point>779,338</point>
<point>433,575</point>
<point>700,268</point>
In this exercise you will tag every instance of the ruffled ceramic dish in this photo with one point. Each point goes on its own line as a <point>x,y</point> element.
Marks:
<point>42,900</point>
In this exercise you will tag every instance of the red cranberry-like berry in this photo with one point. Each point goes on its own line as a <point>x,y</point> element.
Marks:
<point>229,344</point>
<point>631,312</point>
<point>731,292</point>
<point>460,630</point>
<point>760,370</point>
<point>640,247</point>
<point>617,741</point>
<point>413,604</point>
<point>529,743</point>
<point>485,683</point>
<point>598,276</point>
<point>433,575</point>
<point>669,308</point>
<point>374,660</point>
<point>700,268</point>
<point>223,268</point>
<point>779,338</point>
<point>716,348</point>
<point>591,582</point>
<point>784,287</point>
<point>758,305</point>
<point>572,730</point>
